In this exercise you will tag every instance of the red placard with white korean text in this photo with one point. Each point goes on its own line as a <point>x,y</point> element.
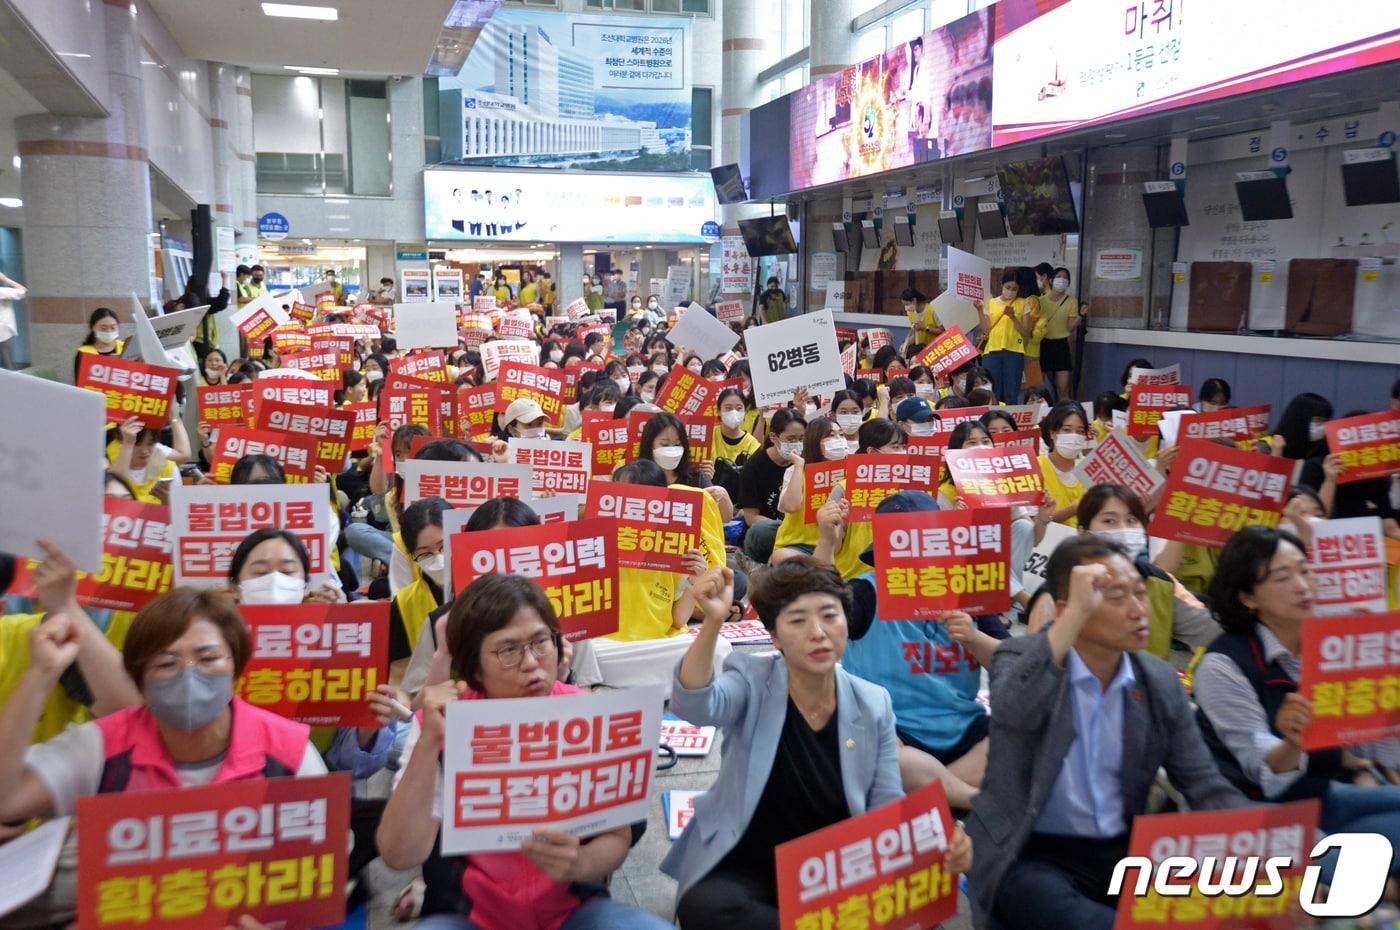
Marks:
<point>256,328</point>
<point>555,467</point>
<point>996,477</point>
<point>819,480</point>
<point>132,389</point>
<point>136,566</point>
<point>223,403</point>
<point>700,434</point>
<point>655,527</point>
<point>1348,564</point>
<point>611,443</point>
<point>1019,438</point>
<point>1368,445</point>
<point>301,311</point>
<point>366,416</point>
<point>476,410</point>
<point>928,446</point>
<point>848,360</point>
<point>578,762</point>
<point>207,523</point>
<point>329,429</point>
<point>290,338</point>
<point>1233,423</point>
<point>947,420</point>
<point>342,346</point>
<point>545,386</point>
<point>1115,460</point>
<point>1351,673</point>
<point>575,563</point>
<point>399,407</point>
<point>426,366</point>
<point>685,393</point>
<point>1147,403</point>
<point>930,562</point>
<point>297,454</point>
<point>317,663</point>
<point>193,858</point>
<point>729,311</point>
<point>951,349</point>
<point>887,863</point>
<point>872,477</point>
<point>291,391</point>
<point>1266,831</point>
<point>323,363</point>
<point>1214,491</point>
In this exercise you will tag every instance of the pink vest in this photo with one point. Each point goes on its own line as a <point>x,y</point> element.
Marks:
<point>261,745</point>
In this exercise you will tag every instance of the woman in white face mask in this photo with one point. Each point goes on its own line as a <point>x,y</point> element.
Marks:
<point>1059,310</point>
<point>664,442</point>
<point>271,566</point>
<point>1116,514</point>
<point>846,407</point>
<point>101,338</point>
<point>823,442</point>
<point>1066,432</point>
<point>732,443</point>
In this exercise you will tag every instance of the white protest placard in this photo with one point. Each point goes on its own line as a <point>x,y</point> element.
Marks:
<point>463,484</point>
<point>425,326</point>
<point>1033,575</point>
<point>730,311</point>
<point>28,861</point>
<point>686,738</point>
<point>507,350</point>
<point>47,484</point>
<point>799,352</point>
<point>680,810</point>
<point>838,295</point>
<point>581,763</point>
<point>263,303</point>
<point>952,310</point>
<point>576,309</point>
<point>1169,375</point>
<point>556,467</point>
<point>1348,563</point>
<point>516,324</point>
<point>207,522</point>
<point>707,336</point>
<point>1170,425</point>
<point>164,341</point>
<point>484,302</point>
<point>740,633</point>
<point>1117,460</point>
<point>968,275</point>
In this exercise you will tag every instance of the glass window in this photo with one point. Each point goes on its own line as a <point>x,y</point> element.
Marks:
<point>701,116</point>
<point>701,7</point>
<point>321,135</point>
<point>794,23</point>
<point>869,43</point>
<point>943,12</point>
<point>906,26</point>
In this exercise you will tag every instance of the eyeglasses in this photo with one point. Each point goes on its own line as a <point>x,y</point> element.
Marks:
<point>511,656</point>
<point>168,666</point>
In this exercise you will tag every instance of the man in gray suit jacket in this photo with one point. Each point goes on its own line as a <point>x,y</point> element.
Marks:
<point>1081,722</point>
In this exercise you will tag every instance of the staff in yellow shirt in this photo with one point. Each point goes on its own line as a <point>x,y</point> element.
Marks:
<point>1008,323</point>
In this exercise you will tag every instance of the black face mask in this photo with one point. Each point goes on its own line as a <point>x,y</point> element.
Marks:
<point>7,572</point>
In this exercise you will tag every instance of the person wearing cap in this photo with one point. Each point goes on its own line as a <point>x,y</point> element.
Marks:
<point>931,668</point>
<point>916,417</point>
<point>524,418</point>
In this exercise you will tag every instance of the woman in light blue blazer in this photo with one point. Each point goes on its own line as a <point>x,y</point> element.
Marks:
<point>805,744</point>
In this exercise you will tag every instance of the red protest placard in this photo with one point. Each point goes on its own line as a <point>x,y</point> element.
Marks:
<point>555,467</point>
<point>655,527</point>
<point>476,410</point>
<point>1147,403</point>
<point>700,435</point>
<point>322,363</point>
<point>930,562</point>
<point>931,447</point>
<point>291,391</point>
<point>342,346</point>
<point>1369,445</point>
<point>1348,564</point>
<point>426,366</point>
<point>685,393</point>
<point>545,386</point>
<point>257,327</point>
<point>366,416</point>
<point>729,311</point>
<point>1233,423</point>
<point>329,429</point>
<point>223,403</point>
<point>887,864</point>
<point>290,338</point>
<point>297,454</point>
<point>301,311</point>
<point>1023,438</point>
<point>399,407</point>
<point>945,421</point>
<point>872,477</point>
<point>317,663</point>
<point>611,443</point>
<point>136,566</point>
<point>996,477</point>
<point>575,563</point>
<point>1116,460</point>
<point>193,858</point>
<point>950,350</point>
<point>1266,831</point>
<point>1351,673</point>
<point>1216,490</point>
<point>132,389</point>
<point>820,479</point>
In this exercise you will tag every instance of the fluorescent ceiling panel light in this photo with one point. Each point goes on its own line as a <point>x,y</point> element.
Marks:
<point>11,202</point>
<point>300,11</point>
<point>306,70</point>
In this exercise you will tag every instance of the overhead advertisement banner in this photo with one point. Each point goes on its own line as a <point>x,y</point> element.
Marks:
<point>532,206</point>
<point>924,99</point>
<point>606,92</point>
<point>1092,61</point>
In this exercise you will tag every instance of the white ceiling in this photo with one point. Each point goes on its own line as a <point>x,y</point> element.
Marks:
<point>371,36</point>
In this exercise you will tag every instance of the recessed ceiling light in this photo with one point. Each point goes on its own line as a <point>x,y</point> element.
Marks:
<point>74,55</point>
<point>300,11</point>
<point>306,70</point>
<point>15,161</point>
<point>11,202</point>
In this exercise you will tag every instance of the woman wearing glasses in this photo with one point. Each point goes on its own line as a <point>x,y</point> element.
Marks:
<point>504,639</point>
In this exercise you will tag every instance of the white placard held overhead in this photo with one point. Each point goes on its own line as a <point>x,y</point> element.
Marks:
<point>51,439</point>
<point>425,326</point>
<point>799,352</point>
<point>526,351</point>
<point>207,522</point>
<point>167,346</point>
<point>952,310</point>
<point>969,277</point>
<point>705,335</point>
<point>1033,575</point>
<point>266,302</point>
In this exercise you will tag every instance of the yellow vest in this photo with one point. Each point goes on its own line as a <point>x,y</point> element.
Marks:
<point>60,710</point>
<point>1063,494</point>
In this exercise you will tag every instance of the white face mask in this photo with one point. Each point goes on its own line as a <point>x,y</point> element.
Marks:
<point>1008,295</point>
<point>731,418</point>
<point>623,384</point>
<point>922,429</point>
<point>923,389</point>
<point>788,449</point>
<point>652,305</point>
<point>1069,445</point>
<point>647,396</point>
<point>434,566</point>
<point>105,339</point>
<point>1043,409</point>
<point>556,355</point>
<point>849,422</point>
<point>695,368</point>
<point>834,449</point>
<point>272,588</point>
<point>811,410</point>
<point>607,408</point>
<point>659,370</point>
<point>536,432</point>
<point>1317,432</point>
<point>1060,285</point>
<point>373,375</point>
<point>668,457</point>
<point>1131,538</point>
